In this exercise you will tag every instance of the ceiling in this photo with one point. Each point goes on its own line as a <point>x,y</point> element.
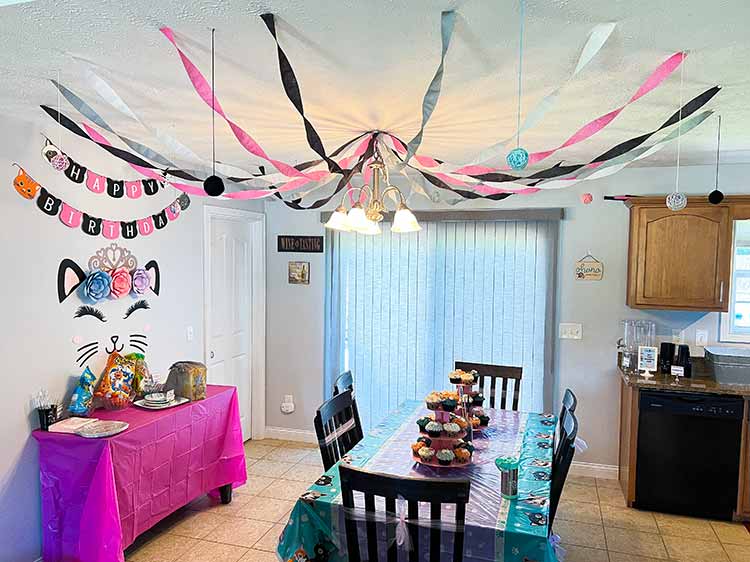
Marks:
<point>365,65</point>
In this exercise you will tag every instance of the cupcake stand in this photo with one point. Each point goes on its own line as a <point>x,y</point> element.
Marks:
<point>467,407</point>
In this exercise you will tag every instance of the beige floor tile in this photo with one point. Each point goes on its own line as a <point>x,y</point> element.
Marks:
<point>624,557</point>
<point>584,554</point>
<point>239,532</point>
<point>268,468</point>
<point>635,542</point>
<point>289,456</point>
<point>270,540</point>
<point>206,551</point>
<point>611,496</point>
<point>627,518</point>
<point>253,555</point>
<point>197,524</point>
<point>582,512</point>
<point>256,484</point>
<point>582,480</point>
<point>578,493</point>
<point>266,509</point>
<point>731,533</point>
<point>689,527</point>
<point>607,483</point>
<point>738,553</point>
<point>284,490</point>
<point>274,442</point>
<point>257,449</point>
<point>210,504</point>
<point>162,548</point>
<point>313,458</point>
<point>302,473</point>
<point>694,550</point>
<point>580,534</point>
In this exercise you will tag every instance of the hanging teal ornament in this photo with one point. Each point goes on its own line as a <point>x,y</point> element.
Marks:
<point>517,158</point>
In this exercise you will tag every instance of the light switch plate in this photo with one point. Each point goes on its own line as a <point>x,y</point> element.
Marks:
<point>189,335</point>
<point>570,331</point>
<point>701,338</point>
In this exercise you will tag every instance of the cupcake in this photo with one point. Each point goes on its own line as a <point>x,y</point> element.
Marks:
<point>426,454</point>
<point>434,429</point>
<point>426,440</point>
<point>422,422</point>
<point>449,404</point>
<point>455,376</point>
<point>462,456</point>
<point>475,375</point>
<point>467,378</point>
<point>415,447</point>
<point>445,456</point>
<point>484,419</point>
<point>451,429</point>
<point>474,422</point>
<point>467,445</point>
<point>477,411</point>
<point>460,422</point>
<point>478,399</point>
<point>433,401</point>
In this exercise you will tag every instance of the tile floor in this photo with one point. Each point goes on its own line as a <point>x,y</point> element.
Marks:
<point>592,520</point>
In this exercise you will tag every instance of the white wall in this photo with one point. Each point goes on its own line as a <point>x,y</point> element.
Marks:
<point>587,366</point>
<point>36,331</point>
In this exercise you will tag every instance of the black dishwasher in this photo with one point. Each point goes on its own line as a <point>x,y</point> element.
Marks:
<point>688,453</point>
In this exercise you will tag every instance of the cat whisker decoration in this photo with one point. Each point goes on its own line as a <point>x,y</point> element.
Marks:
<point>87,354</point>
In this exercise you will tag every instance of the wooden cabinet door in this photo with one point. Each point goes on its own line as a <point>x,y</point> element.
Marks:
<point>680,260</point>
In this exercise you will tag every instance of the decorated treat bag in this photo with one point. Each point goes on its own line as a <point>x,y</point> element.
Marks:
<point>82,400</point>
<point>187,379</point>
<point>115,389</point>
<point>142,376</point>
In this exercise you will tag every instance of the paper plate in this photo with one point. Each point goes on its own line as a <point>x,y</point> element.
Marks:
<point>149,406</point>
<point>102,429</point>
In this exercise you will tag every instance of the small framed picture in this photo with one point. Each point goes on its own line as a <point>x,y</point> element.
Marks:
<point>299,272</point>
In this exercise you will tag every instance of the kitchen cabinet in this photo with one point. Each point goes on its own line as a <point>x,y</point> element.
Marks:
<point>680,260</point>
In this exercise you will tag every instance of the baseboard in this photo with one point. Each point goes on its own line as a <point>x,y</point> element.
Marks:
<point>591,469</point>
<point>287,434</point>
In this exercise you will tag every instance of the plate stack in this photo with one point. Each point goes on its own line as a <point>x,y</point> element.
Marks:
<point>158,399</point>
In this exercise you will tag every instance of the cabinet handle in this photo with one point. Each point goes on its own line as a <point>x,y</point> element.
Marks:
<point>721,292</point>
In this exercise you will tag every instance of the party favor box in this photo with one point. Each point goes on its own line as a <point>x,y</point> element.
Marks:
<point>188,379</point>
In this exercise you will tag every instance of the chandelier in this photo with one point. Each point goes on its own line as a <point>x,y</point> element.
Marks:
<point>366,219</point>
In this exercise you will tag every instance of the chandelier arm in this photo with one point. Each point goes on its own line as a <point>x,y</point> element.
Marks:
<point>359,189</point>
<point>397,190</point>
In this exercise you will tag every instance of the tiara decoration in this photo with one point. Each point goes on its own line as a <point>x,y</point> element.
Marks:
<point>114,273</point>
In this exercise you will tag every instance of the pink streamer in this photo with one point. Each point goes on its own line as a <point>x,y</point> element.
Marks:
<point>205,92</point>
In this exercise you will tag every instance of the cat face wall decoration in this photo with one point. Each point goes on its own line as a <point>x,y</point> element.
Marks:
<point>113,302</point>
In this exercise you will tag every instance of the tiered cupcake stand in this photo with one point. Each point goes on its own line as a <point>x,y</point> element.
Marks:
<point>468,407</point>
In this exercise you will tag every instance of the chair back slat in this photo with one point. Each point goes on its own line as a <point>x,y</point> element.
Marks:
<point>561,462</point>
<point>435,491</point>
<point>345,381</point>
<point>492,373</point>
<point>338,428</point>
<point>570,401</point>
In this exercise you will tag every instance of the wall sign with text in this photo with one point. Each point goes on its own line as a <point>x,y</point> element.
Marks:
<point>588,268</point>
<point>300,244</point>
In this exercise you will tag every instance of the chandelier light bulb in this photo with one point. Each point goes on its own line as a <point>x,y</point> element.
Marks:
<point>405,221</point>
<point>339,220</point>
<point>357,220</point>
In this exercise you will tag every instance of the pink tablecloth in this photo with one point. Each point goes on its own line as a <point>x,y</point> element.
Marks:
<point>98,495</point>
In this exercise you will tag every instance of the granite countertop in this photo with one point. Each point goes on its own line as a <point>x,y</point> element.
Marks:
<point>701,381</point>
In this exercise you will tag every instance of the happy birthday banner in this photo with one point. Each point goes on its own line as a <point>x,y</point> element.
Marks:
<point>50,205</point>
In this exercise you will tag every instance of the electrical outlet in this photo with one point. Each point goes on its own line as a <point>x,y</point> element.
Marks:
<point>701,338</point>
<point>570,331</point>
<point>189,335</point>
<point>287,405</point>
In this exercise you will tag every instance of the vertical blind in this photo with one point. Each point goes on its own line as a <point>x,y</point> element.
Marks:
<point>401,308</point>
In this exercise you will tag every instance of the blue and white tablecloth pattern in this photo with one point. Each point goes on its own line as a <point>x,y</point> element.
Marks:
<point>496,528</point>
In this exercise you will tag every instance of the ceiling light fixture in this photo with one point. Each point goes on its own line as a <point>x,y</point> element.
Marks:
<point>365,216</point>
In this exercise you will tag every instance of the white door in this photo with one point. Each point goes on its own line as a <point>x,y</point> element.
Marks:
<point>232,244</point>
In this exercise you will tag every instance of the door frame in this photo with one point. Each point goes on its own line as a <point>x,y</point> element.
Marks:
<point>256,223</point>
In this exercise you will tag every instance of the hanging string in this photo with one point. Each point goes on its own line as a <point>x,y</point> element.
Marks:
<point>522,6</point>
<point>679,129</point>
<point>213,105</point>
<point>59,128</point>
<point>718,145</point>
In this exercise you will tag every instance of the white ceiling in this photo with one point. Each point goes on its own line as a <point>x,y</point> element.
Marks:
<point>365,64</point>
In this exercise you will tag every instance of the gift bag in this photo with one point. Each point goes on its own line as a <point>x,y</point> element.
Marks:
<point>188,379</point>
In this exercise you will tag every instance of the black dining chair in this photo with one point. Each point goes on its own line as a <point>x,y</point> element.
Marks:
<point>345,381</point>
<point>435,491</point>
<point>562,461</point>
<point>493,373</point>
<point>569,404</point>
<point>338,427</point>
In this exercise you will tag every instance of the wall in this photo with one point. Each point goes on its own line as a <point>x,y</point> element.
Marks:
<point>37,330</point>
<point>587,366</point>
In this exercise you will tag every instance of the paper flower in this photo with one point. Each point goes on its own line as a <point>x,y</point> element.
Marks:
<point>141,282</point>
<point>121,283</point>
<point>586,198</point>
<point>96,286</point>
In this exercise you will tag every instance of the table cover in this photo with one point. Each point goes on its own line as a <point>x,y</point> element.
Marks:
<point>496,528</point>
<point>98,495</point>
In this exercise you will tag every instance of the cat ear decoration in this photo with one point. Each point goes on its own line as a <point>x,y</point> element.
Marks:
<point>69,276</point>
<point>153,271</point>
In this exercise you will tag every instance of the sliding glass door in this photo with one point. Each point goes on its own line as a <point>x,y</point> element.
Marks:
<point>401,308</point>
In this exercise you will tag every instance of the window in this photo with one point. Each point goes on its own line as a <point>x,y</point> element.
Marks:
<point>401,308</point>
<point>735,324</point>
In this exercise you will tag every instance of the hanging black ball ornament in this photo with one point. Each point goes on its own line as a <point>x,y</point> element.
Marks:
<point>715,197</point>
<point>214,186</point>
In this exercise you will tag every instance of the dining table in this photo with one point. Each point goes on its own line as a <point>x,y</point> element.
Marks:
<point>496,528</point>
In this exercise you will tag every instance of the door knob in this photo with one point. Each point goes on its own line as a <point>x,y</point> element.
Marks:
<point>212,355</point>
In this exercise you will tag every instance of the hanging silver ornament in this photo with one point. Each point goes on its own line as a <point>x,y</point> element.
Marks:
<point>676,201</point>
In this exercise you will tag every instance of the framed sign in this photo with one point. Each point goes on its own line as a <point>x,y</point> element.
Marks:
<point>299,272</point>
<point>300,244</point>
<point>588,268</point>
<point>647,359</point>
